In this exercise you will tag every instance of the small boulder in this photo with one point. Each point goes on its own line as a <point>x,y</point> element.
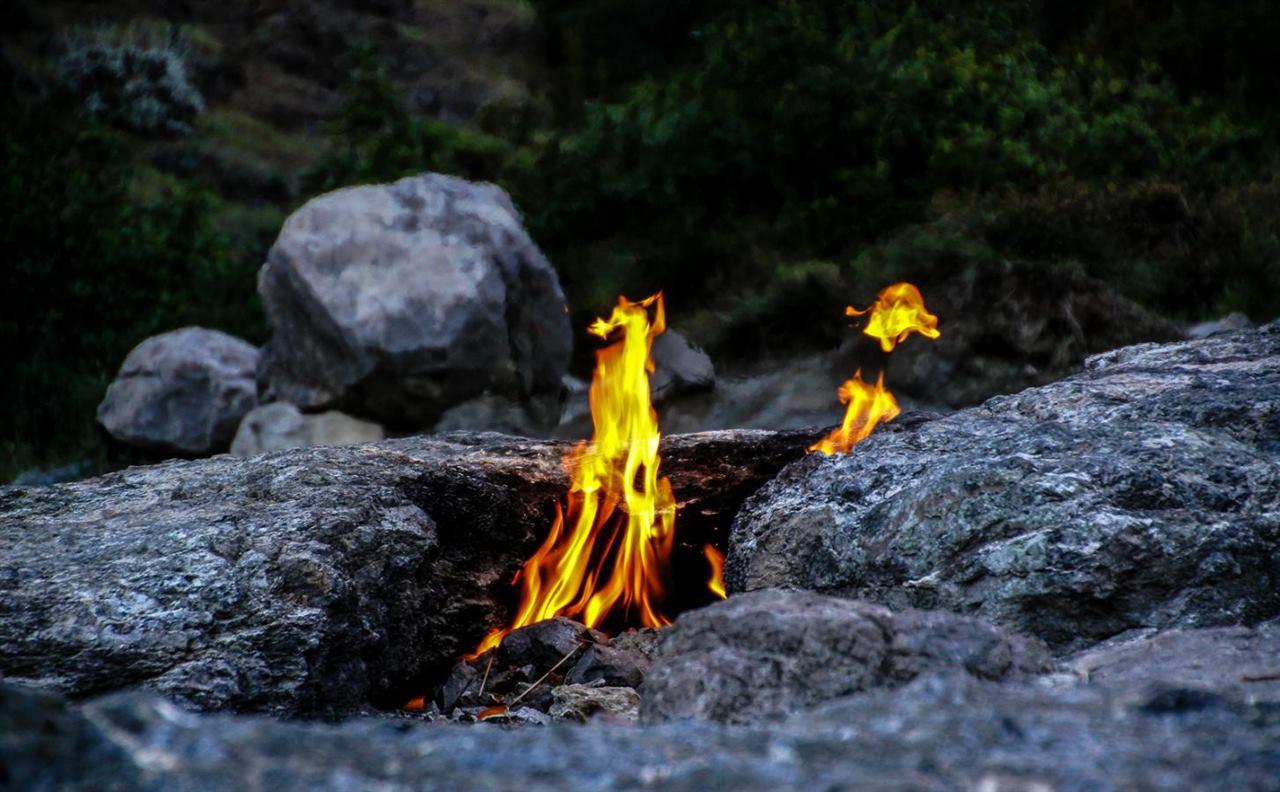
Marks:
<point>280,425</point>
<point>183,392</point>
<point>398,301</point>
<point>582,702</point>
<point>678,367</point>
<point>766,654</point>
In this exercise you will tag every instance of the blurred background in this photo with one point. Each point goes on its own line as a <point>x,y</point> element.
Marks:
<point>1059,178</point>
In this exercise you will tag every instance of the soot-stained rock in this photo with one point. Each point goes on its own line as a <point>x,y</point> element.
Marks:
<point>1142,493</point>
<point>764,654</point>
<point>305,582</point>
<point>937,732</point>
<point>609,666</point>
<point>545,643</point>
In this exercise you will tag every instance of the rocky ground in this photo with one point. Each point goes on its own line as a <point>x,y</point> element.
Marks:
<point>1069,588</point>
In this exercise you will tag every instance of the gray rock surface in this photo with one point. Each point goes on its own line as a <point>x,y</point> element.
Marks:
<point>182,392</point>
<point>1142,493</point>
<point>307,582</point>
<point>1232,321</point>
<point>1244,661</point>
<point>678,367</point>
<point>397,301</point>
<point>936,733</point>
<point>280,425</point>
<point>765,654</point>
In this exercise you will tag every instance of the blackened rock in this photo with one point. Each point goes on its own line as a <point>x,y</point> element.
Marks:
<point>609,665</point>
<point>545,643</point>
<point>1142,493</point>
<point>765,654</point>
<point>462,680</point>
<point>307,582</point>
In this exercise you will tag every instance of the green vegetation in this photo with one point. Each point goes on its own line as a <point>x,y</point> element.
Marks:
<point>762,161</point>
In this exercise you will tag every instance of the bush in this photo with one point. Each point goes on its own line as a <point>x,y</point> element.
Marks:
<point>134,76</point>
<point>376,138</point>
<point>820,125</point>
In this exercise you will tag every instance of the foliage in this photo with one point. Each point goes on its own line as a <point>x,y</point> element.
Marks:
<point>134,76</point>
<point>835,121</point>
<point>89,272</point>
<point>376,138</point>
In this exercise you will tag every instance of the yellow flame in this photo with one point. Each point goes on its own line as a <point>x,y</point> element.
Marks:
<point>716,559</point>
<point>897,313</point>
<point>621,512</point>
<point>869,406</point>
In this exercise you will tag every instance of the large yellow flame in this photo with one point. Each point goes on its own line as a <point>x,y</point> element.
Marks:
<point>897,313</point>
<point>620,512</point>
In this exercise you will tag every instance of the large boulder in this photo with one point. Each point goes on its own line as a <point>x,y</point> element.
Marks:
<point>182,392</point>
<point>1142,493</point>
<point>935,733</point>
<point>395,302</point>
<point>307,582</point>
<point>765,654</point>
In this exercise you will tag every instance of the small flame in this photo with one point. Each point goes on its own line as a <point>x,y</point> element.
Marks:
<point>897,313</point>
<point>869,406</point>
<point>716,559</point>
<point>609,549</point>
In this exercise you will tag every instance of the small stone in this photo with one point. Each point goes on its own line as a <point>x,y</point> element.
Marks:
<point>545,643</point>
<point>463,679</point>
<point>610,665</point>
<point>581,702</point>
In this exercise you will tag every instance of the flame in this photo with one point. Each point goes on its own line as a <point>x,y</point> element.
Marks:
<point>609,548</point>
<point>716,559</point>
<point>897,313</point>
<point>869,406</point>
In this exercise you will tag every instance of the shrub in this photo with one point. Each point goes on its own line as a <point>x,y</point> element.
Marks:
<point>134,76</point>
<point>831,122</point>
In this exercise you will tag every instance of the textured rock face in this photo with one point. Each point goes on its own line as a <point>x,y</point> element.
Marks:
<point>308,582</point>
<point>1144,492</point>
<point>1244,661</point>
<point>949,732</point>
<point>398,301</point>
<point>182,392</point>
<point>279,425</point>
<point>763,655</point>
